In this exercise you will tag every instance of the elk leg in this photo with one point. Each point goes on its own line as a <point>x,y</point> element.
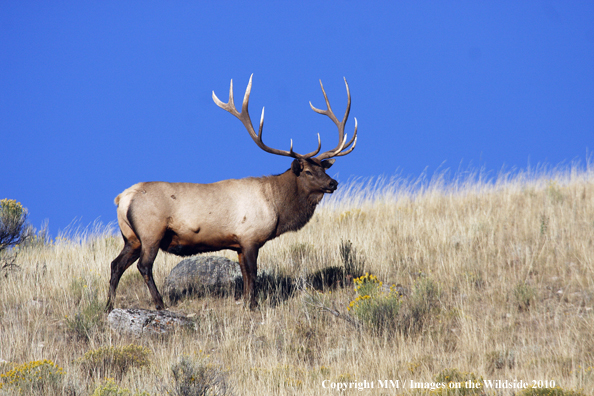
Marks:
<point>244,274</point>
<point>127,256</point>
<point>248,261</point>
<point>145,266</point>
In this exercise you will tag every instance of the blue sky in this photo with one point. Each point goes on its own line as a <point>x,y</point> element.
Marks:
<point>96,96</point>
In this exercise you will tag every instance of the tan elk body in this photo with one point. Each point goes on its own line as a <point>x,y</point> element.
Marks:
<point>237,214</point>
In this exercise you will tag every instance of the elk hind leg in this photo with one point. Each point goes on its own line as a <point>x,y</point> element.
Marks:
<point>145,266</point>
<point>125,259</point>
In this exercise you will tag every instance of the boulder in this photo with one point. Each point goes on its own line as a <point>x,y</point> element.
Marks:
<point>141,322</point>
<point>203,274</point>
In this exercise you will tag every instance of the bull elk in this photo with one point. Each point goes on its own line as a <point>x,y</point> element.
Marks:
<point>240,215</point>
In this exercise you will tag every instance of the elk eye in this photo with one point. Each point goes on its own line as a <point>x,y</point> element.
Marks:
<point>308,173</point>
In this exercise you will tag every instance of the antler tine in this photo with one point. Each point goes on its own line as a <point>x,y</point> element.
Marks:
<point>327,112</point>
<point>342,137</point>
<point>244,117</point>
<point>308,155</point>
<point>340,153</point>
<point>229,106</point>
<point>231,101</point>
<point>246,96</point>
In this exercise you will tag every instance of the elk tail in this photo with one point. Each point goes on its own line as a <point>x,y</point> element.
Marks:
<point>116,201</point>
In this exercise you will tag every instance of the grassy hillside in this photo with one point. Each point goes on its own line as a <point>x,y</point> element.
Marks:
<point>498,283</point>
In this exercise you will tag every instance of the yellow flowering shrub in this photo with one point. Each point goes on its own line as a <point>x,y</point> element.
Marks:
<point>35,377</point>
<point>375,305</point>
<point>12,207</point>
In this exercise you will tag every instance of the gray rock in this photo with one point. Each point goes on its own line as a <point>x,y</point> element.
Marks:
<point>141,322</point>
<point>203,274</point>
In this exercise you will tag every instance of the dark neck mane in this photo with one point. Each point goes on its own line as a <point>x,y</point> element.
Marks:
<point>293,206</point>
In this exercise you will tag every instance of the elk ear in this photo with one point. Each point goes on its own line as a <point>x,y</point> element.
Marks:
<point>326,164</point>
<point>296,166</point>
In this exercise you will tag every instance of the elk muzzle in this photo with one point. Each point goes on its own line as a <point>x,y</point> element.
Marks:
<point>332,186</point>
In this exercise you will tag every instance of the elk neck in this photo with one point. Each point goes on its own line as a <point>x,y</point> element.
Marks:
<point>293,205</point>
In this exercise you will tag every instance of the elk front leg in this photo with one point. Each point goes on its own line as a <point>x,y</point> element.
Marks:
<point>248,261</point>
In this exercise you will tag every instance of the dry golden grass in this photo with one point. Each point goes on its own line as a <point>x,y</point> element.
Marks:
<point>513,260</point>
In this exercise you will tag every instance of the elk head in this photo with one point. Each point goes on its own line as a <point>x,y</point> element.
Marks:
<point>310,168</point>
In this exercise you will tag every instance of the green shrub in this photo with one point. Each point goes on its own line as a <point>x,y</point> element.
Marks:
<point>375,305</point>
<point>88,317</point>
<point>116,361</point>
<point>40,377</point>
<point>14,228</point>
<point>556,391</point>
<point>420,305</point>
<point>195,377</point>
<point>524,295</point>
<point>110,388</point>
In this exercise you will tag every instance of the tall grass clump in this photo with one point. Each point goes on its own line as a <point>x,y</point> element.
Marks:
<point>114,361</point>
<point>87,318</point>
<point>421,305</point>
<point>353,262</point>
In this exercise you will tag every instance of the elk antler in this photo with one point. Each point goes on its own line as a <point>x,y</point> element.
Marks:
<point>342,148</point>
<point>244,117</point>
